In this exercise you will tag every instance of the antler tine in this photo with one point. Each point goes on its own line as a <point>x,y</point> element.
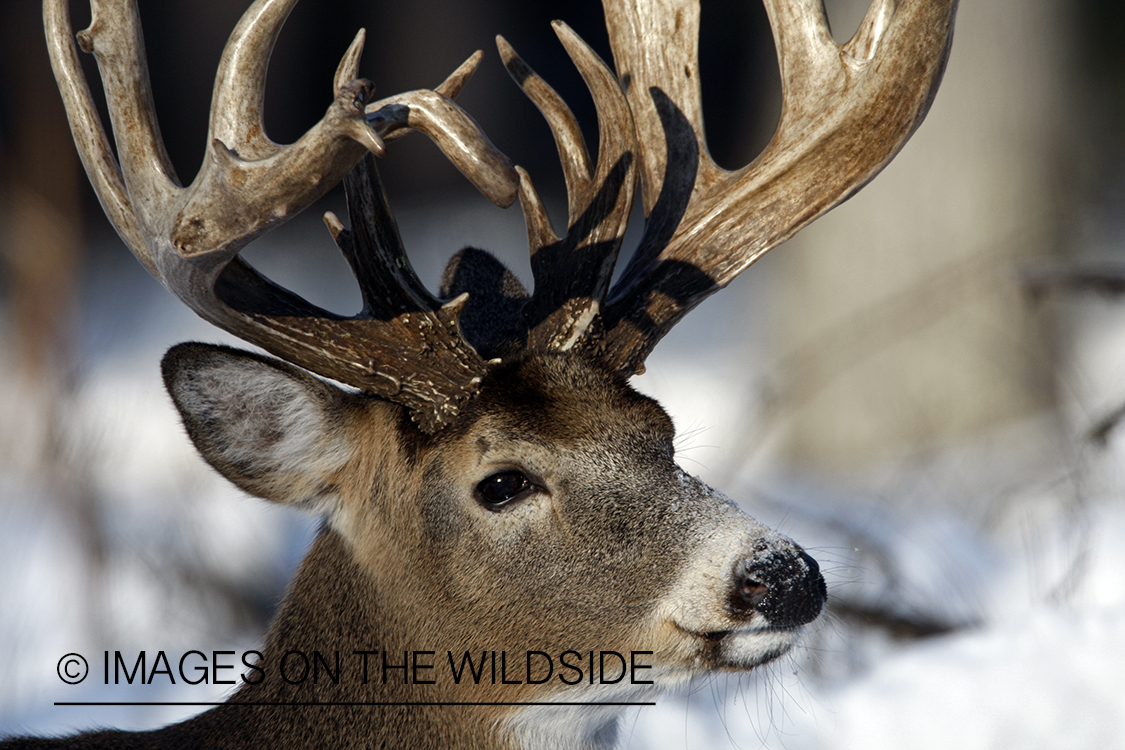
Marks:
<point>572,273</point>
<point>573,155</point>
<point>458,136</point>
<point>89,135</point>
<point>373,248</point>
<point>448,88</point>
<point>114,37</point>
<point>846,111</point>
<point>456,80</point>
<point>240,82</point>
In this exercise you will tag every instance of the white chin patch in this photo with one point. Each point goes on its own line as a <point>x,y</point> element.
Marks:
<point>750,648</point>
<point>559,726</point>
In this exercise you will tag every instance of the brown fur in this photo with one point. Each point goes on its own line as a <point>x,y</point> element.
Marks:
<point>614,549</point>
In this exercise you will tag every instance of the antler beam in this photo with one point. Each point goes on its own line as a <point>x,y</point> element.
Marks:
<point>846,111</point>
<point>189,237</point>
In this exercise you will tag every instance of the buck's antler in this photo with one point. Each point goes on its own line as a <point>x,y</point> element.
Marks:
<point>846,111</point>
<point>405,344</point>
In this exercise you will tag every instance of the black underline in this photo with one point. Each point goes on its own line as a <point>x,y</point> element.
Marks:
<point>360,703</point>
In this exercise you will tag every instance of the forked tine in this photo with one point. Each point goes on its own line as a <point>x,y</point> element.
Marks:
<point>572,273</point>
<point>271,190</point>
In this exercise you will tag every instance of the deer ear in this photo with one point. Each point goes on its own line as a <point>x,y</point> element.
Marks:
<point>272,429</point>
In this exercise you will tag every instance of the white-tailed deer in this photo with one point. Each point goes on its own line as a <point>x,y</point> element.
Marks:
<point>493,490</point>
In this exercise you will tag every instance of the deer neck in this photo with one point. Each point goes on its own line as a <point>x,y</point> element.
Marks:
<point>332,608</point>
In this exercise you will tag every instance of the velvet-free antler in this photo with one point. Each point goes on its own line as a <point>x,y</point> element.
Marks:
<point>405,344</point>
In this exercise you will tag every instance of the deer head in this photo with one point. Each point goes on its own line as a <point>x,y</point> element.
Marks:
<point>490,483</point>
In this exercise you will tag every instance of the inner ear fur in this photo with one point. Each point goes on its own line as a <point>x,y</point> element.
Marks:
<point>272,429</point>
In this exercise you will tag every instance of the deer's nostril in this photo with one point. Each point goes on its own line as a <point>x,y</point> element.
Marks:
<point>753,592</point>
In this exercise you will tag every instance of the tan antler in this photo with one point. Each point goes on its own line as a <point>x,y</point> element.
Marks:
<point>405,344</point>
<point>846,111</point>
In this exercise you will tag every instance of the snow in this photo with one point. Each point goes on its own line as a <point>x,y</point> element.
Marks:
<point>1017,551</point>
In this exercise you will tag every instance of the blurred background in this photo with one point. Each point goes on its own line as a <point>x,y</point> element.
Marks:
<point>923,388</point>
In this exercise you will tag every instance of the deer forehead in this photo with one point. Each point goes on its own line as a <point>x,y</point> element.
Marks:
<point>577,431</point>
<point>564,400</point>
<point>548,415</point>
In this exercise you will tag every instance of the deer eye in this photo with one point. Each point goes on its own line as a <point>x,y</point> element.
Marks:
<point>501,488</point>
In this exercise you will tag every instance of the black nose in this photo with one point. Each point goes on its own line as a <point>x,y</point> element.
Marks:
<point>784,586</point>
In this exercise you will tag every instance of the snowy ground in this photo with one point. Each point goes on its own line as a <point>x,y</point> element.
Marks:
<point>1029,573</point>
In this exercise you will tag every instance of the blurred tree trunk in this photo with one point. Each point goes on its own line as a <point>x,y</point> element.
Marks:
<point>42,207</point>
